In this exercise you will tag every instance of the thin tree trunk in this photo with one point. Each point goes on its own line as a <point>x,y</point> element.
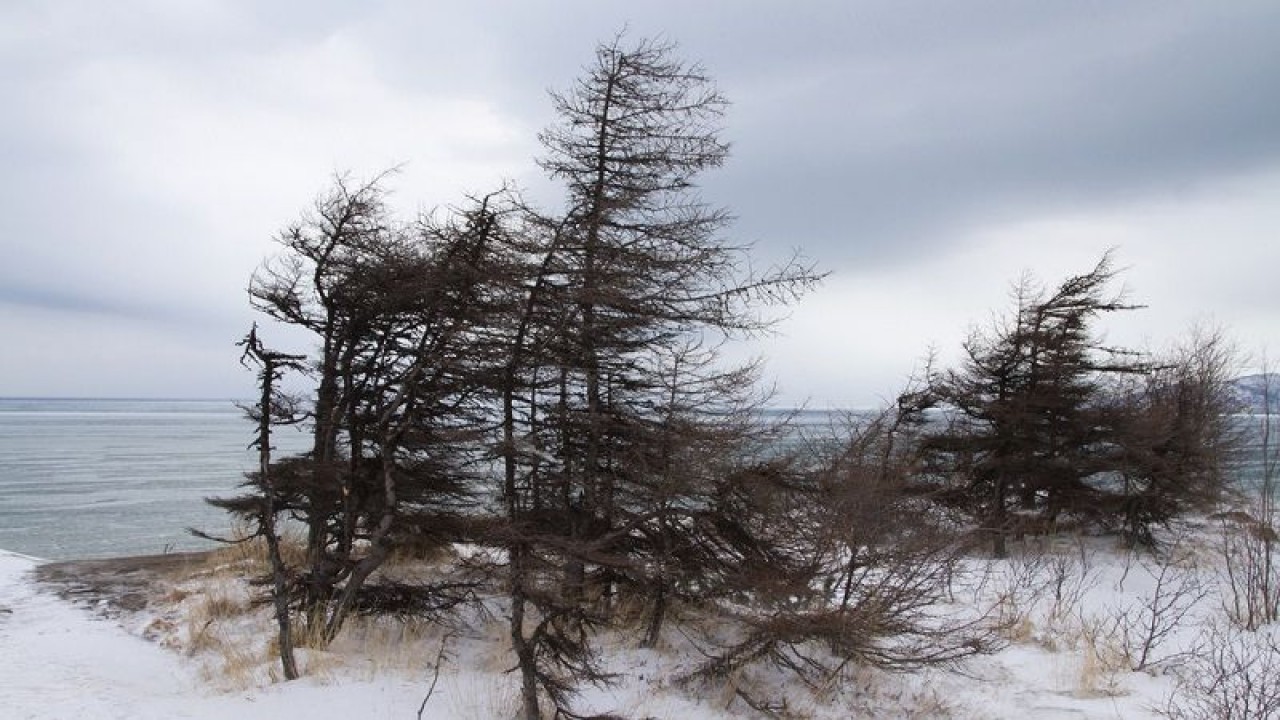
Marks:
<point>998,520</point>
<point>654,631</point>
<point>516,551</point>
<point>267,518</point>
<point>523,648</point>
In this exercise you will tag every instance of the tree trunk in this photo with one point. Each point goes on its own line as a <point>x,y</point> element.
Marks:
<point>525,656</point>
<point>998,520</point>
<point>267,516</point>
<point>654,631</point>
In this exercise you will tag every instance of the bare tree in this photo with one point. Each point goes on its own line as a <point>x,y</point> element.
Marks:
<point>263,507</point>
<point>1176,434</point>
<point>400,394</point>
<point>858,574</point>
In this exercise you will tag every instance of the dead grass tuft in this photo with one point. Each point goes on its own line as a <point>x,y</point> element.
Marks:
<point>383,644</point>
<point>1104,662</point>
<point>221,605</point>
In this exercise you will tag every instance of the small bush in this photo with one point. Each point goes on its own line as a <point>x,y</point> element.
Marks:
<point>1236,676</point>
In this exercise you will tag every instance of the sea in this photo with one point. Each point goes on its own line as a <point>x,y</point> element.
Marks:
<point>100,478</point>
<point>86,478</point>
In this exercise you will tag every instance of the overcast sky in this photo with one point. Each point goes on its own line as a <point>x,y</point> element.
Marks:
<point>924,153</point>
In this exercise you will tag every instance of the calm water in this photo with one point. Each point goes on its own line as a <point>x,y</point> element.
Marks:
<point>94,478</point>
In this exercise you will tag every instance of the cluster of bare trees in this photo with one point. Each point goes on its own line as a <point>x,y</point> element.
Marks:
<point>547,384</point>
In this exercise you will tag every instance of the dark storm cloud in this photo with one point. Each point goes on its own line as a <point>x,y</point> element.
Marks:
<point>904,155</point>
<point>869,132</point>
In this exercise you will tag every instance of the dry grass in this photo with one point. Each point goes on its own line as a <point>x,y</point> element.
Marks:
<point>1020,629</point>
<point>207,614</point>
<point>230,662</point>
<point>248,554</point>
<point>497,654</point>
<point>235,667</point>
<point>221,604</point>
<point>421,556</point>
<point>173,596</point>
<point>202,618</point>
<point>309,634</point>
<point>1104,661</point>
<point>378,645</point>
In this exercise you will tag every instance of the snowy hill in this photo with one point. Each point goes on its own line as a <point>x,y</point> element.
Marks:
<point>1254,389</point>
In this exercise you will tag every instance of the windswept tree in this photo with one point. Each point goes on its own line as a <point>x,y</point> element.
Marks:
<point>1026,421</point>
<point>316,285</point>
<point>629,271</point>
<point>395,309</point>
<point>1045,422</point>
<point>572,351</point>
<point>270,500</point>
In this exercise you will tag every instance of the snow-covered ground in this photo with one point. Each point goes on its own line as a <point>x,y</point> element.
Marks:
<point>58,662</point>
<point>191,655</point>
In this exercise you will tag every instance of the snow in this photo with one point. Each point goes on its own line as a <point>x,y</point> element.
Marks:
<point>60,660</point>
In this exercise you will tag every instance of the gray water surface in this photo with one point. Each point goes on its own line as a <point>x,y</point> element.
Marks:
<point>98,478</point>
<point>102,478</point>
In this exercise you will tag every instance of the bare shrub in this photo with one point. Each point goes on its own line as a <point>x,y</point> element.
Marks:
<point>1247,537</point>
<point>1146,628</point>
<point>1250,570</point>
<point>1036,583</point>
<point>870,586</point>
<point>1236,676</point>
<point>1071,576</point>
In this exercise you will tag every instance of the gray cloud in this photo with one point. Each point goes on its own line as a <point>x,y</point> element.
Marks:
<point>150,151</point>
<point>1009,129</point>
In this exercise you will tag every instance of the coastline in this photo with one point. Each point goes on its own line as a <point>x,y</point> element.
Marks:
<point>108,586</point>
<point>63,658</point>
<point>22,556</point>
<point>114,584</point>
